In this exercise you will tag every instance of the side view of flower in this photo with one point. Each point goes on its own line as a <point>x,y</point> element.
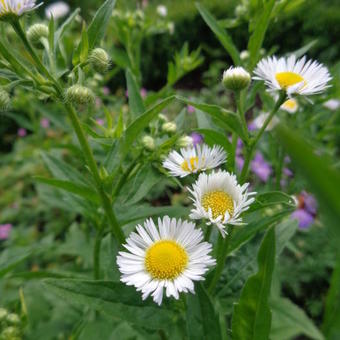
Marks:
<point>168,256</point>
<point>16,7</point>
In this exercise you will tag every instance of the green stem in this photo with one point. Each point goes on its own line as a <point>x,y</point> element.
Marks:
<point>250,150</point>
<point>96,253</point>
<point>221,257</point>
<point>279,167</point>
<point>239,103</point>
<point>106,202</point>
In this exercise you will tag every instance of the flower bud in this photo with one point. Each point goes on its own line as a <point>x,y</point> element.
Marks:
<point>185,141</point>
<point>244,55</point>
<point>13,318</point>
<point>100,60</point>
<point>236,78</point>
<point>9,333</point>
<point>163,118</point>
<point>148,143</point>
<point>35,33</point>
<point>79,95</point>
<point>4,100</point>
<point>3,314</point>
<point>169,127</point>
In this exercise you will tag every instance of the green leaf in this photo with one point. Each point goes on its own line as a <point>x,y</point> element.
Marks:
<point>252,316</point>
<point>201,318</point>
<point>220,33</point>
<point>51,40</point>
<point>113,299</point>
<point>10,259</point>
<point>212,137</point>
<point>331,322</point>
<point>135,100</point>
<point>225,119</point>
<point>71,187</point>
<point>256,39</point>
<point>284,232</point>
<point>271,198</point>
<point>324,179</point>
<point>66,25</point>
<point>84,46</point>
<point>99,23</point>
<point>290,322</point>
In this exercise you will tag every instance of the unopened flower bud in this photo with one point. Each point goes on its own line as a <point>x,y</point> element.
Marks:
<point>35,33</point>
<point>79,95</point>
<point>100,60</point>
<point>3,314</point>
<point>163,118</point>
<point>244,55</point>
<point>9,333</point>
<point>4,100</point>
<point>148,143</point>
<point>185,141</point>
<point>13,318</point>
<point>236,78</point>
<point>169,127</point>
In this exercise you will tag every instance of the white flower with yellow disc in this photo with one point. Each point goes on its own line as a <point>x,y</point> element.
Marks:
<point>295,76</point>
<point>194,159</point>
<point>290,105</point>
<point>220,199</point>
<point>16,7</point>
<point>170,256</point>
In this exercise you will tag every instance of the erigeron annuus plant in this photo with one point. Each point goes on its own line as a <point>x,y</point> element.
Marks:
<point>167,257</point>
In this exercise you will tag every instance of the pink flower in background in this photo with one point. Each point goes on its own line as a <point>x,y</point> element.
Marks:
<point>306,211</point>
<point>190,109</point>
<point>22,132</point>
<point>106,91</point>
<point>100,121</point>
<point>5,230</point>
<point>196,138</point>
<point>143,92</point>
<point>44,123</point>
<point>261,168</point>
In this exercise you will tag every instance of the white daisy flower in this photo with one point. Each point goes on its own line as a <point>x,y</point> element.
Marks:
<point>16,7</point>
<point>193,159</point>
<point>220,199</point>
<point>262,117</point>
<point>170,256</point>
<point>292,75</point>
<point>291,105</point>
<point>58,10</point>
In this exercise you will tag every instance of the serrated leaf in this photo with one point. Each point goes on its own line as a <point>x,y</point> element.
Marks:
<point>220,33</point>
<point>113,299</point>
<point>252,316</point>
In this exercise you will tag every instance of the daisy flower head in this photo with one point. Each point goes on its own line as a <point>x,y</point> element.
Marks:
<point>220,199</point>
<point>194,159</point>
<point>168,256</point>
<point>16,8</point>
<point>291,105</point>
<point>292,75</point>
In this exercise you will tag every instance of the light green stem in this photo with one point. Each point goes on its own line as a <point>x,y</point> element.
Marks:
<point>106,201</point>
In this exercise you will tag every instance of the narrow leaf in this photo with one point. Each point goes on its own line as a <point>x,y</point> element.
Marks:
<point>135,100</point>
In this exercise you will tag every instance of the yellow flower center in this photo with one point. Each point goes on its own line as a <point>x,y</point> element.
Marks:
<point>193,163</point>
<point>219,202</point>
<point>166,260</point>
<point>290,104</point>
<point>286,79</point>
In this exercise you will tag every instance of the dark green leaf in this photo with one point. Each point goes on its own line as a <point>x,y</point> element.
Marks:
<point>252,316</point>
<point>115,300</point>
<point>212,137</point>
<point>202,319</point>
<point>220,33</point>
<point>135,100</point>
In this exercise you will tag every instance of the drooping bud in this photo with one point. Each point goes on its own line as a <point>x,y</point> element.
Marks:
<point>148,143</point>
<point>169,127</point>
<point>5,100</point>
<point>100,60</point>
<point>185,141</point>
<point>236,78</point>
<point>35,33</point>
<point>80,95</point>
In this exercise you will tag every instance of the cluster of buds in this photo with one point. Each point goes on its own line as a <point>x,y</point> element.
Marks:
<point>10,325</point>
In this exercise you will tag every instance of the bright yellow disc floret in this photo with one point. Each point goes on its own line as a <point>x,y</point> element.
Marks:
<point>219,202</point>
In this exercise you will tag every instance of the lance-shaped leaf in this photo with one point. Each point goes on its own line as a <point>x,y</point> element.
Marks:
<point>252,315</point>
<point>135,100</point>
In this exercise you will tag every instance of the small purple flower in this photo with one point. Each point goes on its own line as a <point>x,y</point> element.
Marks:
<point>196,138</point>
<point>190,109</point>
<point>5,230</point>
<point>44,123</point>
<point>22,132</point>
<point>252,126</point>
<point>239,162</point>
<point>100,121</point>
<point>143,92</point>
<point>106,91</point>
<point>304,218</point>
<point>287,172</point>
<point>309,202</point>
<point>261,168</point>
